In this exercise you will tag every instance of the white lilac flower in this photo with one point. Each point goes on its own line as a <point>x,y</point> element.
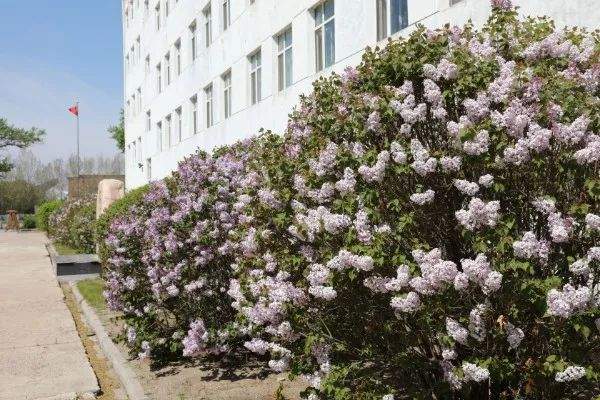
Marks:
<point>375,173</point>
<point>593,254</point>
<point>592,222</point>
<point>571,373</point>
<point>514,335</point>
<point>449,354</point>
<point>479,145</point>
<point>486,180</point>
<point>423,198</point>
<point>347,183</point>
<point>423,164</point>
<point>388,397</point>
<point>461,281</point>
<point>258,346</point>
<point>401,280</point>
<point>580,267</point>
<point>474,373</point>
<point>477,327</point>
<point>398,154</point>
<point>530,247</point>
<point>560,228</point>
<point>323,292</point>
<point>590,154</point>
<point>457,331</point>
<point>466,187</point>
<point>363,227</point>
<point>568,301</point>
<point>409,303</point>
<point>492,282</point>
<point>544,205</point>
<point>450,164</point>
<point>479,214</point>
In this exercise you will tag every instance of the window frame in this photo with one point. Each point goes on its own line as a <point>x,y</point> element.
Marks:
<point>385,25</point>
<point>178,65</point>
<point>226,9</point>
<point>322,22</point>
<point>255,75</point>
<point>285,78</point>
<point>194,40</point>
<point>209,105</point>
<point>194,113</point>
<point>226,79</point>
<point>179,124</point>
<point>208,34</point>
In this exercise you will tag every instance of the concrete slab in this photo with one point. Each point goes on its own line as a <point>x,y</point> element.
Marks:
<point>41,355</point>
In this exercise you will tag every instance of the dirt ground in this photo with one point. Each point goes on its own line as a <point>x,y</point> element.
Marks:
<point>198,382</point>
<point>109,384</point>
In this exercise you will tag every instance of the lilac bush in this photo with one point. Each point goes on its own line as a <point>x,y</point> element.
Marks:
<point>72,224</point>
<point>427,227</point>
<point>440,238</point>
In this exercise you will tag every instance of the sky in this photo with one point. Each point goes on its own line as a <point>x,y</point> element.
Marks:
<point>52,53</point>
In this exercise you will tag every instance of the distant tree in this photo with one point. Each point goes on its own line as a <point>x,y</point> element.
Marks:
<point>11,136</point>
<point>117,132</point>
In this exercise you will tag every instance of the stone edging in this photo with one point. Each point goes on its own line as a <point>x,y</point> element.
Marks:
<point>126,376</point>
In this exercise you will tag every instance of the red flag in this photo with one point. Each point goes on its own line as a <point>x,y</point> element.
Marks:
<point>74,110</point>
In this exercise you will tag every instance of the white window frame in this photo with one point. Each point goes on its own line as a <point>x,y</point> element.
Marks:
<point>178,124</point>
<point>167,132</point>
<point>157,11</point>
<point>148,120</point>
<point>209,105</point>
<point>159,136</point>
<point>193,40</point>
<point>322,22</point>
<point>285,57</point>
<point>167,69</point>
<point>159,78</point>
<point>226,9</point>
<point>178,57</point>
<point>255,63</point>
<point>207,13</point>
<point>385,25</point>
<point>227,94</point>
<point>194,125</point>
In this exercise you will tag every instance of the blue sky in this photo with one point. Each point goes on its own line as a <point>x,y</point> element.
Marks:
<point>53,52</point>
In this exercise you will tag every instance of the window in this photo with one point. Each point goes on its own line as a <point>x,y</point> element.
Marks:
<point>208,97</point>
<point>168,69</point>
<point>178,57</point>
<point>147,66</point>
<point>139,151</point>
<point>194,111</point>
<point>226,14</point>
<point>453,2</point>
<point>148,121</point>
<point>207,26</point>
<point>159,135</point>
<point>397,19</point>
<point>127,62</point>
<point>167,133</point>
<point>146,8</point>
<point>193,41</point>
<point>138,43</point>
<point>324,35</point>
<point>166,8</point>
<point>139,99</point>
<point>178,124</point>
<point>284,59</point>
<point>227,94</point>
<point>157,12</point>
<point>149,169</point>
<point>159,78</point>
<point>255,77</point>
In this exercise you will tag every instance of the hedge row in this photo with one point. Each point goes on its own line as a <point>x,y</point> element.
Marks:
<point>72,224</point>
<point>427,227</point>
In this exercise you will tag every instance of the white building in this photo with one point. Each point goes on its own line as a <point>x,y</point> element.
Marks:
<point>204,73</point>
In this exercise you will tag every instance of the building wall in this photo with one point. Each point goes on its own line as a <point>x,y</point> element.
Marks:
<point>255,26</point>
<point>87,185</point>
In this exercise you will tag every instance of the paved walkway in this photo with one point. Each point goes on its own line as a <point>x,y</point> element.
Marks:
<point>41,355</point>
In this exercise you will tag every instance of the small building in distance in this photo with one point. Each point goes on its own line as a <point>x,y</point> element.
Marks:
<point>87,185</point>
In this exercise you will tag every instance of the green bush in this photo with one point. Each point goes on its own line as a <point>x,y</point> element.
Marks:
<point>29,221</point>
<point>118,208</point>
<point>43,213</point>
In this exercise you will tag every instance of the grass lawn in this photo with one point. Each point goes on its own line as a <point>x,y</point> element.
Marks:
<point>91,290</point>
<point>64,250</point>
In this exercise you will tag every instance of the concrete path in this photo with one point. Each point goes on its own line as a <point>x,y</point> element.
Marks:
<point>41,355</point>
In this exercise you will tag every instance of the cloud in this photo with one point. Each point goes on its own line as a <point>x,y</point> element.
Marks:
<point>36,95</point>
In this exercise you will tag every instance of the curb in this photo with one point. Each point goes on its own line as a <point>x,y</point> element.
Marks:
<point>126,376</point>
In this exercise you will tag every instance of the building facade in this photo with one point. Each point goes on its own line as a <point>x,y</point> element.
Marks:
<point>204,73</point>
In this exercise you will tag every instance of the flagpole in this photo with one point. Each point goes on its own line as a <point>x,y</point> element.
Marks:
<point>78,159</point>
